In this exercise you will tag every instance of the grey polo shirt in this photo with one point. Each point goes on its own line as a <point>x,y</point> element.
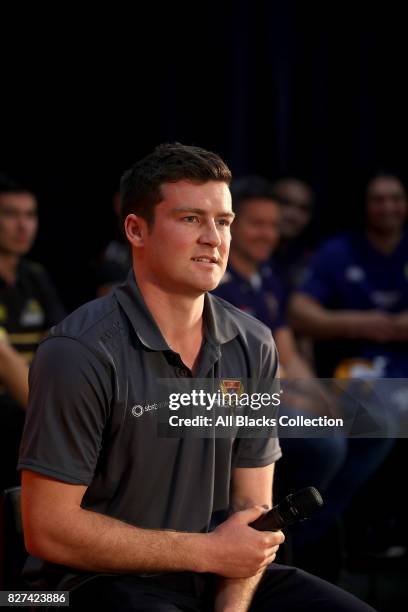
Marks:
<point>82,427</point>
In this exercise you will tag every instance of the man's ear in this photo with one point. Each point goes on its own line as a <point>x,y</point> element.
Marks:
<point>135,229</point>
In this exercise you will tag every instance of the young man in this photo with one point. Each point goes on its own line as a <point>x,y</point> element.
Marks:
<point>28,307</point>
<point>104,496</point>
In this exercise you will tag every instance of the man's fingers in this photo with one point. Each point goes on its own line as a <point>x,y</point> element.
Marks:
<point>270,559</point>
<point>274,538</point>
<point>250,514</point>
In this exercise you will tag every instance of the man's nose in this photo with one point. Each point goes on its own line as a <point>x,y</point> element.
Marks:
<point>23,223</point>
<point>210,234</point>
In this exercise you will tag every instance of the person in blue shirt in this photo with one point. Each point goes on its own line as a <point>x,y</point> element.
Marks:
<point>354,304</point>
<point>356,292</point>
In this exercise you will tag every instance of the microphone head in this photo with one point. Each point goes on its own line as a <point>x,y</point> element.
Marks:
<point>306,501</point>
<point>300,505</point>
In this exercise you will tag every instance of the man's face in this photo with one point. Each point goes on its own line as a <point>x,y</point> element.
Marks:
<point>255,234</point>
<point>186,250</point>
<point>386,204</point>
<point>296,209</point>
<point>18,223</point>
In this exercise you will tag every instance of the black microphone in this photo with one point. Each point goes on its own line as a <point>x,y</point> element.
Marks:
<point>293,508</point>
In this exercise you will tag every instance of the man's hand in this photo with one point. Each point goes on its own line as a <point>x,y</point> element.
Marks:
<point>241,551</point>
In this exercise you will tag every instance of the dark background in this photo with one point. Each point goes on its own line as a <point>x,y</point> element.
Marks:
<point>304,88</point>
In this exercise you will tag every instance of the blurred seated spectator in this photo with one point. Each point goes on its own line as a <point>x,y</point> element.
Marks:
<point>356,291</point>
<point>250,282</point>
<point>293,252</point>
<point>28,307</point>
<point>112,266</point>
<point>354,304</point>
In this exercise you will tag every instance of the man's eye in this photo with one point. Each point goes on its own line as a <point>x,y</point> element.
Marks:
<point>225,222</point>
<point>191,219</point>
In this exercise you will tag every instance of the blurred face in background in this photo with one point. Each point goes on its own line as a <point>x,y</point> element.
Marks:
<point>296,198</point>
<point>18,223</point>
<point>386,205</point>
<point>255,232</point>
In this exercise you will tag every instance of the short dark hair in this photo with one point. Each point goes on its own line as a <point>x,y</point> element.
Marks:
<point>169,163</point>
<point>384,173</point>
<point>252,187</point>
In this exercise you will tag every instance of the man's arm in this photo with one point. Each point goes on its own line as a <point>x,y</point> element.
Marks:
<point>401,326</point>
<point>57,529</point>
<point>304,391</point>
<point>13,372</point>
<point>249,487</point>
<point>295,366</point>
<point>309,317</point>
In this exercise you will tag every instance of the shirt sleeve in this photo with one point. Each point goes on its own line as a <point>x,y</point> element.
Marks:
<point>69,404</point>
<point>262,451</point>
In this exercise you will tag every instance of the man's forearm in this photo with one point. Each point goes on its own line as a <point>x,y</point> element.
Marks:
<point>91,541</point>
<point>249,487</point>
<point>13,373</point>
<point>401,326</point>
<point>235,594</point>
<point>324,324</point>
<point>310,318</point>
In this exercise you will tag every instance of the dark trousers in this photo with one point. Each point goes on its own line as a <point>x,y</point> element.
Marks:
<point>282,589</point>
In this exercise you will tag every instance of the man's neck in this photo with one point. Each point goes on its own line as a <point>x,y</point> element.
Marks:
<point>242,265</point>
<point>179,318</point>
<point>384,242</point>
<point>8,267</point>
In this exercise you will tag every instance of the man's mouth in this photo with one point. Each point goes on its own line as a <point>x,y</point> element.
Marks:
<point>210,260</point>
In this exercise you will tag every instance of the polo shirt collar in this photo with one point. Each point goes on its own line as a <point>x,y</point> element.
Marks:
<point>130,298</point>
<point>219,323</point>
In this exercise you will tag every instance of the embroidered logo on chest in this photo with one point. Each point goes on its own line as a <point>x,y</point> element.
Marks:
<point>32,313</point>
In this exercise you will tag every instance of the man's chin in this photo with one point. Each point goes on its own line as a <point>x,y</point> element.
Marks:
<point>16,251</point>
<point>21,247</point>
<point>206,286</point>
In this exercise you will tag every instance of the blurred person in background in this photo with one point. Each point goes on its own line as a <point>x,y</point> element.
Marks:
<point>112,266</point>
<point>356,291</point>
<point>28,307</point>
<point>251,284</point>
<point>293,252</point>
<point>354,305</point>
